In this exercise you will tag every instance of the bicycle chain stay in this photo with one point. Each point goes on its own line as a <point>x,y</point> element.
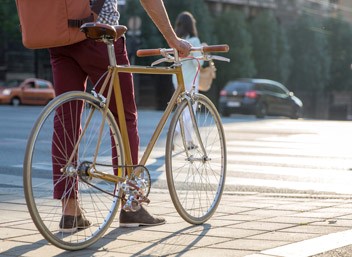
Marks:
<point>135,189</point>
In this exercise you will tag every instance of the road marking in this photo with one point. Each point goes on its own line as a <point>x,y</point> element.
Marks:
<point>309,247</point>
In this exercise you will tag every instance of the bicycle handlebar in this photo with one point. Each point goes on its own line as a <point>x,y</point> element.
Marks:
<point>204,49</point>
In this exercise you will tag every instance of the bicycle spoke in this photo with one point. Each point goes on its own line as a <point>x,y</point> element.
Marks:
<point>196,175</point>
<point>71,119</point>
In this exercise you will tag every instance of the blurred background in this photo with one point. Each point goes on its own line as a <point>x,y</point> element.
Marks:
<point>304,44</point>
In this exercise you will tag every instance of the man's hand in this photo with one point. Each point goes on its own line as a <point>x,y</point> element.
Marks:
<point>156,11</point>
<point>182,46</point>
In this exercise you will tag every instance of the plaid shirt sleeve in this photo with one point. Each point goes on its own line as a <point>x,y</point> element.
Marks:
<point>109,13</point>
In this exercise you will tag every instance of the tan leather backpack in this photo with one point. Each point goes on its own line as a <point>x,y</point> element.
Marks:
<point>51,23</point>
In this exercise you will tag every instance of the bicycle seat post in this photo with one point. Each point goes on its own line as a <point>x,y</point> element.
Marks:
<point>111,51</point>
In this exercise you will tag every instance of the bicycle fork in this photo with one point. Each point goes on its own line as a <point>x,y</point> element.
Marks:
<point>190,98</point>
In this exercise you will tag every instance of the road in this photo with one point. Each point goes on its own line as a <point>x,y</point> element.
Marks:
<point>264,155</point>
<point>271,155</point>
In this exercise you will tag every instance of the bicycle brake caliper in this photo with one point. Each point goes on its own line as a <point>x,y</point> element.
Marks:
<point>100,97</point>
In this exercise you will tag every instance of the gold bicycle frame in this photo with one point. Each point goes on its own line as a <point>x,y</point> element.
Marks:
<point>113,78</point>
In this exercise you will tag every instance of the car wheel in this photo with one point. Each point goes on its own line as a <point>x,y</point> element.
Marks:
<point>296,113</point>
<point>15,101</point>
<point>261,110</point>
<point>225,113</point>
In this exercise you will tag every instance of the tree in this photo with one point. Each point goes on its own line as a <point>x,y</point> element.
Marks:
<point>232,29</point>
<point>309,50</point>
<point>150,36</point>
<point>199,10</point>
<point>284,59</point>
<point>9,20</point>
<point>270,48</point>
<point>340,51</point>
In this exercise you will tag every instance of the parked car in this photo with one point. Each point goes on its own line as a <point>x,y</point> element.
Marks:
<point>31,91</point>
<point>9,83</point>
<point>260,97</point>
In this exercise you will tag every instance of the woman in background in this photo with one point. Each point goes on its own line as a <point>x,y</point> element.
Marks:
<point>185,28</point>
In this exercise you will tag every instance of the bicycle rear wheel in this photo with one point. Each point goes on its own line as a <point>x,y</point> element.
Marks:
<point>49,148</point>
<point>196,175</point>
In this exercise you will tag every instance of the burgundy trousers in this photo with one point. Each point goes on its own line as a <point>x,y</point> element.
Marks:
<point>72,65</point>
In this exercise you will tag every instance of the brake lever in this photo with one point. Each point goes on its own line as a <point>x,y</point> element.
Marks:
<point>170,58</point>
<point>217,57</point>
<point>161,61</point>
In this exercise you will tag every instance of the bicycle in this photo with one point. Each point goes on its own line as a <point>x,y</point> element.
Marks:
<point>95,160</point>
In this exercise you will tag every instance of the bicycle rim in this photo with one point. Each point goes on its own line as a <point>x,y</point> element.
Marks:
<point>196,178</point>
<point>46,150</point>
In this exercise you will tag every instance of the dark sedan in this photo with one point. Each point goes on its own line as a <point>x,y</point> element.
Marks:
<point>260,97</point>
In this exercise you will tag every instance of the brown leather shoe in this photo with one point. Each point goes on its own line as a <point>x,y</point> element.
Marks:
<point>70,224</point>
<point>139,218</point>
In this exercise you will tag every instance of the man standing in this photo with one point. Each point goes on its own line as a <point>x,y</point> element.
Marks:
<point>73,64</point>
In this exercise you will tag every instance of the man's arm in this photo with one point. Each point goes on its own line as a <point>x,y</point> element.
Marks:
<point>157,12</point>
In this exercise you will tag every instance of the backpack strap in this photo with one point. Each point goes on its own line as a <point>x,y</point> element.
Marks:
<point>96,8</point>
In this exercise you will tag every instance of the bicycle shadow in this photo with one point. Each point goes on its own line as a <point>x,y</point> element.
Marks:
<point>173,244</point>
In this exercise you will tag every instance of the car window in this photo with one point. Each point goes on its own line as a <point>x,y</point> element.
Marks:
<point>239,86</point>
<point>279,90</point>
<point>42,85</point>
<point>29,85</point>
<point>259,87</point>
<point>275,89</point>
<point>268,87</point>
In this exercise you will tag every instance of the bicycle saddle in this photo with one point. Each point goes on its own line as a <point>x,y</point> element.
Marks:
<point>100,31</point>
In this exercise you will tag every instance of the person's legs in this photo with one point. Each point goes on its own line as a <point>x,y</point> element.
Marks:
<point>94,61</point>
<point>100,57</point>
<point>67,76</point>
<point>91,58</point>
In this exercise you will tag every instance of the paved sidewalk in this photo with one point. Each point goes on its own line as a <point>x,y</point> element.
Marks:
<point>246,224</point>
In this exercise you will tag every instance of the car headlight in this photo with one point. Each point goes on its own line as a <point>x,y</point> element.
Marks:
<point>6,92</point>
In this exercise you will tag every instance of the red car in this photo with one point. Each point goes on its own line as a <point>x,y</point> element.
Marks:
<point>31,91</point>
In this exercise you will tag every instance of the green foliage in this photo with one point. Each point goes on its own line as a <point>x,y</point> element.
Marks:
<point>340,50</point>
<point>9,20</point>
<point>310,55</point>
<point>284,59</point>
<point>270,48</point>
<point>232,29</point>
<point>264,29</point>
<point>200,12</point>
<point>311,62</point>
<point>150,36</point>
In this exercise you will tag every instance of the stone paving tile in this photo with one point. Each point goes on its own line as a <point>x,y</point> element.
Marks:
<point>291,220</point>
<point>232,232</point>
<point>319,230</point>
<point>251,244</point>
<point>317,214</point>
<point>205,252</point>
<point>262,225</point>
<point>287,236</point>
<point>243,225</point>
<point>267,213</point>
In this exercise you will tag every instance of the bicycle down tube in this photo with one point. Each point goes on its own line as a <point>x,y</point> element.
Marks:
<point>149,70</point>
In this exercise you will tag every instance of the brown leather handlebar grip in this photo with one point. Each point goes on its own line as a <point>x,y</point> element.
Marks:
<point>216,48</point>
<point>148,52</point>
<point>206,49</point>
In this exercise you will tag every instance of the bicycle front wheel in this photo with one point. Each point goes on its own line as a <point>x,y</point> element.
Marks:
<point>195,160</point>
<point>68,129</point>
